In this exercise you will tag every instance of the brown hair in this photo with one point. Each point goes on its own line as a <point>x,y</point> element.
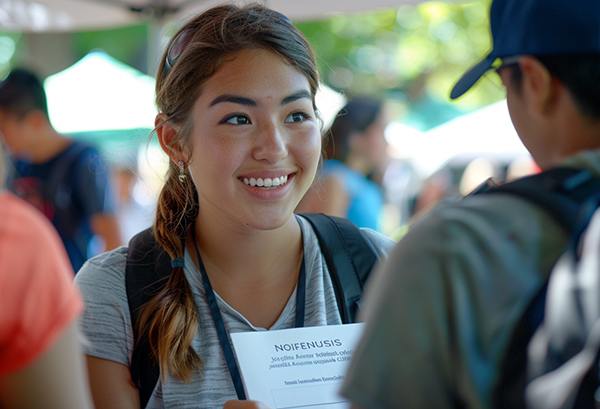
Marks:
<point>355,117</point>
<point>171,317</point>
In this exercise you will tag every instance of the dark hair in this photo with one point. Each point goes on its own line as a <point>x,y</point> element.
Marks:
<point>355,117</point>
<point>22,92</point>
<point>170,318</point>
<point>580,73</point>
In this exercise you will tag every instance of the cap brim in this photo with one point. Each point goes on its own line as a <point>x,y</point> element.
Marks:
<point>471,77</point>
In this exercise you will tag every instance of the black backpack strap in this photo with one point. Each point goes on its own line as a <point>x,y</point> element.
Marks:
<point>562,192</point>
<point>350,257</point>
<point>147,271</point>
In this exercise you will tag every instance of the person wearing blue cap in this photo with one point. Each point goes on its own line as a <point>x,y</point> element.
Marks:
<point>441,311</point>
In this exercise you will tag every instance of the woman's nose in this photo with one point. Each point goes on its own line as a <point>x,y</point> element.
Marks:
<point>271,144</point>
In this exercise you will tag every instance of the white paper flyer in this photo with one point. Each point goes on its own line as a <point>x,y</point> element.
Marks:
<point>297,367</point>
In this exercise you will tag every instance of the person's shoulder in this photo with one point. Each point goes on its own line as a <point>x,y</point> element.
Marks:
<point>83,150</point>
<point>477,219</point>
<point>108,267</point>
<point>78,145</point>
<point>497,207</point>
<point>382,243</point>
<point>109,259</point>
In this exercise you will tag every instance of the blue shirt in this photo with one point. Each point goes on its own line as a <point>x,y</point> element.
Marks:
<point>365,196</point>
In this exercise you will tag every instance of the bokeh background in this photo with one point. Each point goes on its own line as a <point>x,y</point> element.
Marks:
<point>99,79</point>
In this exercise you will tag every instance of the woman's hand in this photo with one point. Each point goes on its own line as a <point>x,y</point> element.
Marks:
<point>244,404</point>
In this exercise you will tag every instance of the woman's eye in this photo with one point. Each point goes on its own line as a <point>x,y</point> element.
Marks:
<point>237,120</point>
<point>297,117</point>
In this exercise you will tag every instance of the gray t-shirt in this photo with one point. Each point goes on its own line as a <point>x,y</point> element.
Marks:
<point>107,324</point>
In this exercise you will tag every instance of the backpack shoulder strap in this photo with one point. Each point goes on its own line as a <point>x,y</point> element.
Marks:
<point>147,269</point>
<point>350,257</point>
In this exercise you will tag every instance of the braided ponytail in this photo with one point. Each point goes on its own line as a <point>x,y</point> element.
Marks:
<point>170,318</point>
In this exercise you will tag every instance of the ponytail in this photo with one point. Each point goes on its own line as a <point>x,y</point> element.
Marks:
<point>170,319</point>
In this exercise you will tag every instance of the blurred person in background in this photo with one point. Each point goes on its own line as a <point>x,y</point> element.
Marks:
<point>441,313</point>
<point>135,205</point>
<point>64,179</point>
<point>41,362</point>
<point>350,184</point>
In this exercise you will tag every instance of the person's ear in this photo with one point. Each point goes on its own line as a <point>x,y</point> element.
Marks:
<point>538,85</point>
<point>166,134</point>
<point>37,119</point>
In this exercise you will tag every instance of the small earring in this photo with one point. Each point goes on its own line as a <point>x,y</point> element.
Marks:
<point>181,171</point>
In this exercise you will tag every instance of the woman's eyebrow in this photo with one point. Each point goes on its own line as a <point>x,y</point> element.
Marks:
<point>296,96</point>
<point>235,99</point>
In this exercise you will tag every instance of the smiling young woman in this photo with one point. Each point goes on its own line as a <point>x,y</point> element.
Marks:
<point>236,94</point>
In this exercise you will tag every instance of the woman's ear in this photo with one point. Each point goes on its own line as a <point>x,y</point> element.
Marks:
<point>167,134</point>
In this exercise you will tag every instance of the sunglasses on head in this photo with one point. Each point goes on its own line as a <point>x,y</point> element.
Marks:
<point>183,40</point>
<point>176,48</point>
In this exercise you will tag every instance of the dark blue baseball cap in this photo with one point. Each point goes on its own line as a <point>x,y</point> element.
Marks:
<point>538,28</point>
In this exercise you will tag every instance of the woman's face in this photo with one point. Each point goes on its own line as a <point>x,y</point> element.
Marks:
<point>255,141</point>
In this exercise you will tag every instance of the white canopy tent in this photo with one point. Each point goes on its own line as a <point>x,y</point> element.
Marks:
<point>46,16</point>
<point>77,15</point>
<point>100,93</point>
<point>488,130</point>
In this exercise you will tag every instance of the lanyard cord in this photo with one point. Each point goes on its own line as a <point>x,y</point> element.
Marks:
<point>220,325</point>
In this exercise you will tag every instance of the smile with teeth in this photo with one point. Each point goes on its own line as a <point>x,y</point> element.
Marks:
<point>267,183</point>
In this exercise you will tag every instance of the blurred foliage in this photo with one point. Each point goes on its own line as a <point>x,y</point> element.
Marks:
<point>411,56</point>
<point>128,44</point>
<point>8,50</point>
